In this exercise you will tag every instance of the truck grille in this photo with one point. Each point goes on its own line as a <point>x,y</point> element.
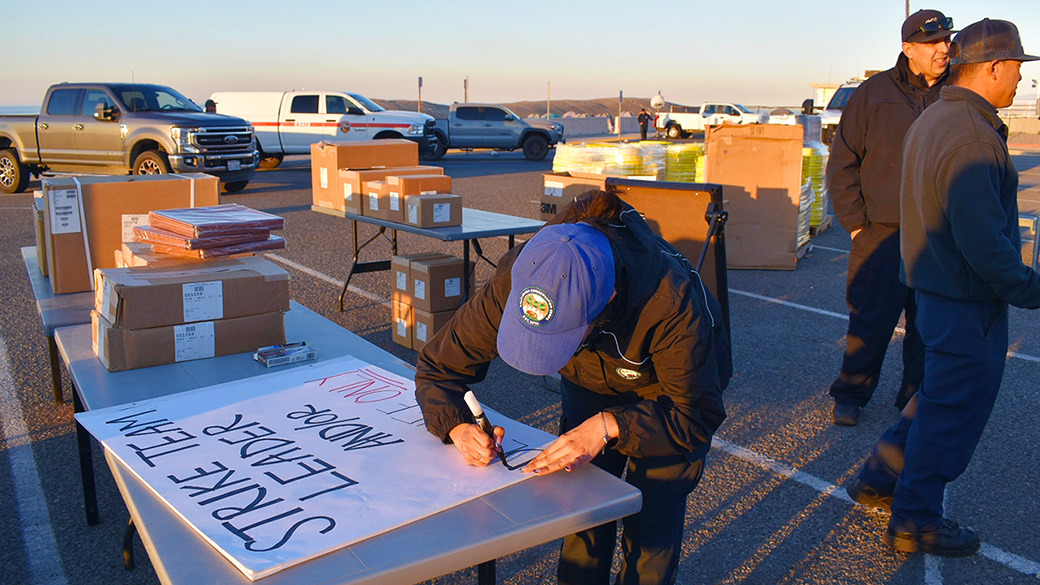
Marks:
<point>231,140</point>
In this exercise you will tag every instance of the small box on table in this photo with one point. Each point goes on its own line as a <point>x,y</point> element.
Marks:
<point>327,159</point>
<point>432,211</point>
<point>353,182</point>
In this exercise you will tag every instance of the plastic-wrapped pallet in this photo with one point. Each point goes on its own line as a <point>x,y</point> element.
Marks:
<point>653,159</point>
<point>814,163</point>
<point>804,205</point>
<point>684,163</point>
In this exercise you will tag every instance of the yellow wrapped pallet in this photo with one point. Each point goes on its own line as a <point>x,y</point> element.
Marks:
<point>814,163</point>
<point>684,162</point>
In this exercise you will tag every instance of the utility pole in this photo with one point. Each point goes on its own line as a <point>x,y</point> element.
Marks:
<point>907,9</point>
<point>465,90</point>
<point>548,99</point>
<point>420,94</point>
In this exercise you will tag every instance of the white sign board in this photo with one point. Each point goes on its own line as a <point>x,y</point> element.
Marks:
<point>278,469</point>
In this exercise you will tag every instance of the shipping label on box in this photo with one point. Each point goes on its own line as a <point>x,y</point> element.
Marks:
<point>426,325</point>
<point>194,341</point>
<point>562,188</point>
<point>401,323</point>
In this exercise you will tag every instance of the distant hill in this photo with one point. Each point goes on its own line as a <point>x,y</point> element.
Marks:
<point>593,107</point>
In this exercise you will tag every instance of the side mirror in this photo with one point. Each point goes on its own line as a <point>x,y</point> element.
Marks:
<point>508,118</point>
<point>104,112</point>
<point>808,107</point>
<point>355,111</point>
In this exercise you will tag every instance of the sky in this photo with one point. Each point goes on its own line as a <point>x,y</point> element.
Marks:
<point>757,52</point>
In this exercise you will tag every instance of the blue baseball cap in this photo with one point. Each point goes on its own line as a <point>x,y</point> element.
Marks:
<point>561,281</point>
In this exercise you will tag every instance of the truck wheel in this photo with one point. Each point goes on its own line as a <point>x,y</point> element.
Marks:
<point>14,176</point>
<point>151,162</point>
<point>536,147</point>
<point>270,161</point>
<point>674,132</point>
<point>440,151</point>
<point>233,186</point>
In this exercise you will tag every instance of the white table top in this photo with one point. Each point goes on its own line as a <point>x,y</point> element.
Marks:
<point>55,310</point>
<point>518,517</point>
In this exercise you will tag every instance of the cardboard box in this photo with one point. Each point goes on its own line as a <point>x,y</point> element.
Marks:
<point>431,211</point>
<point>425,325</point>
<point>400,274</point>
<point>401,323</point>
<point>137,298</point>
<point>760,169</point>
<point>353,181</point>
<point>371,192</point>
<point>127,349</point>
<point>400,187</point>
<point>41,234</point>
<point>327,159</point>
<point>1029,228</point>
<point>88,218</point>
<point>562,188</point>
<point>139,254</point>
<point>437,283</point>
<point>675,211</point>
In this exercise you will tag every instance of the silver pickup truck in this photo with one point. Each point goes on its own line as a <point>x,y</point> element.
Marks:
<point>124,128</point>
<point>471,125</point>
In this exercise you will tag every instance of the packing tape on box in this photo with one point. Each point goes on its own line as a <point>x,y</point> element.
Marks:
<point>83,229</point>
<point>191,189</point>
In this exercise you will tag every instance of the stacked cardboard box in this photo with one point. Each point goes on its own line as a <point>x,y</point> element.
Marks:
<point>151,316</point>
<point>87,219</point>
<point>211,232</point>
<point>427,289</point>
<point>563,187</point>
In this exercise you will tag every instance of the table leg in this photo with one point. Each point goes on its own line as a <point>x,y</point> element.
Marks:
<point>486,573</point>
<point>86,466</point>
<point>59,396</point>
<point>128,545</point>
<point>465,270</point>
<point>355,266</point>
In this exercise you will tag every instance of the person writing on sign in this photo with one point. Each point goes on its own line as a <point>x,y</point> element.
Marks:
<point>644,357</point>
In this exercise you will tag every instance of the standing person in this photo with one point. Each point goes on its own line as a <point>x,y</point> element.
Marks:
<point>863,180</point>
<point>211,106</point>
<point>644,122</point>
<point>643,355</point>
<point>960,250</point>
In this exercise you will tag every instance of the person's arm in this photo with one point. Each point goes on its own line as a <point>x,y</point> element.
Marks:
<point>844,163</point>
<point>971,177</point>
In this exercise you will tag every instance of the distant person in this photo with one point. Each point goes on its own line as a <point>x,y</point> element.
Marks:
<point>863,180</point>
<point>961,253</point>
<point>211,106</point>
<point>643,357</point>
<point>644,122</point>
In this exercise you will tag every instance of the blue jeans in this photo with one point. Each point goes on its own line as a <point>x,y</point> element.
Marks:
<point>651,539</point>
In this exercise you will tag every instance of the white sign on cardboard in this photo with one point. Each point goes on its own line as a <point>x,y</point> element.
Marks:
<point>203,301</point>
<point>194,341</point>
<point>129,221</point>
<point>441,212</point>
<point>323,177</point>
<point>278,469</point>
<point>64,206</point>
<point>452,287</point>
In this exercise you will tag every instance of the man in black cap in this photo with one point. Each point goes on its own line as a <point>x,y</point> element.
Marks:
<point>863,180</point>
<point>961,256</point>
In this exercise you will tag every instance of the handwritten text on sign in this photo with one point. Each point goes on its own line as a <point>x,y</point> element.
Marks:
<point>282,468</point>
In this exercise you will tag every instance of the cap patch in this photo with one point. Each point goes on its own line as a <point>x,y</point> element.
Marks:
<point>536,307</point>
<point>628,374</point>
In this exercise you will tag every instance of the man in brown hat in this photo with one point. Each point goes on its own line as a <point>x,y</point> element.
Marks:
<point>960,250</point>
<point>863,180</point>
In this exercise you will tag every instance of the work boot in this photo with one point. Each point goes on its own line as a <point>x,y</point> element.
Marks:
<point>948,540</point>
<point>846,414</point>
<point>862,493</point>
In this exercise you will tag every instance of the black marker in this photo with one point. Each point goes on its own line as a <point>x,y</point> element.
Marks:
<point>482,420</point>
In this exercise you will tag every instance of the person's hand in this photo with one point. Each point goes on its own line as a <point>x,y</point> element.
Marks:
<point>855,233</point>
<point>575,447</point>
<point>477,448</point>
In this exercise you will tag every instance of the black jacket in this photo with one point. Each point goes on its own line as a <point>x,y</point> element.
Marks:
<point>960,235</point>
<point>663,324</point>
<point>867,154</point>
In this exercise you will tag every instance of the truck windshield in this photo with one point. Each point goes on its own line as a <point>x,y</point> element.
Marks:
<point>152,98</point>
<point>742,109</point>
<point>840,98</point>
<point>367,103</point>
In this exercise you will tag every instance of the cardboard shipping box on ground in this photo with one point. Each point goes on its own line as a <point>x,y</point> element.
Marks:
<point>759,167</point>
<point>327,159</point>
<point>127,349</point>
<point>400,274</point>
<point>401,323</point>
<point>433,211</point>
<point>436,283</point>
<point>562,188</point>
<point>88,218</point>
<point>138,298</point>
<point>425,325</point>
<point>675,211</point>
<point>353,182</point>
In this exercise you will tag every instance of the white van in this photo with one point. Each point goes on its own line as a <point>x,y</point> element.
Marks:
<point>289,122</point>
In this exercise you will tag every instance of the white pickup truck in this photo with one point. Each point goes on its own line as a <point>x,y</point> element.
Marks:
<point>289,122</point>
<point>681,125</point>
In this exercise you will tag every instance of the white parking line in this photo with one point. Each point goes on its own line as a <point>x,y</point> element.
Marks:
<point>37,533</point>
<point>1010,560</point>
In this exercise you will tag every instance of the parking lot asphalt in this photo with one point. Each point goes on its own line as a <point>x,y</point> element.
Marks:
<point>770,508</point>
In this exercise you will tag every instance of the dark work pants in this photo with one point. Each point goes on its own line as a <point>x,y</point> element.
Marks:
<point>934,439</point>
<point>642,131</point>
<point>651,539</point>
<point>876,298</point>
